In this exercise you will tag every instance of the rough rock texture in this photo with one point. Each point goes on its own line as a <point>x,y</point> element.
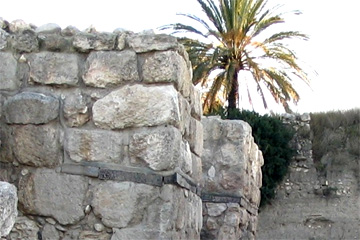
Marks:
<point>104,69</point>
<point>137,106</point>
<point>76,110</point>
<point>8,207</point>
<point>309,205</point>
<point>31,108</point>
<point>8,78</point>
<point>150,42</point>
<point>54,68</point>
<point>24,228</point>
<point>48,193</point>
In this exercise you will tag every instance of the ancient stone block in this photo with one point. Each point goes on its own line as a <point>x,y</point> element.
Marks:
<point>53,42</point>
<point>54,68</point>
<point>84,42</point>
<point>31,108</point>
<point>195,103</point>
<point>166,66</point>
<point>8,207</point>
<point>37,145</point>
<point>159,148</point>
<point>150,42</point>
<point>76,111</point>
<point>104,69</point>
<point>58,195</point>
<point>8,79</point>
<point>49,232</point>
<point>3,39</point>
<point>137,106</point>
<point>120,204</point>
<point>48,28</point>
<point>24,228</point>
<point>96,145</point>
<point>195,136</point>
<point>215,209</point>
<point>25,41</point>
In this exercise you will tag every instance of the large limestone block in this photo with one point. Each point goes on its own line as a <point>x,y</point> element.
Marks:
<point>54,68</point>
<point>85,42</point>
<point>96,145</point>
<point>151,42</point>
<point>8,207</point>
<point>37,145</point>
<point>31,108</point>
<point>104,69</point>
<point>137,106</point>
<point>195,136</point>
<point>166,66</point>
<point>160,148</point>
<point>120,204</point>
<point>8,78</point>
<point>52,194</point>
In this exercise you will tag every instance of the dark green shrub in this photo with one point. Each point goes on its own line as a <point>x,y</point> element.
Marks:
<point>273,138</point>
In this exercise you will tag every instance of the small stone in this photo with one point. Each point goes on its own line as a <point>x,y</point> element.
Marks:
<point>87,209</point>
<point>215,209</point>
<point>99,227</point>
<point>211,172</point>
<point>24,172</point>
<point>18,25</point>
<point>8,66</point>
<point>48,28</point>
<point>51,221</point>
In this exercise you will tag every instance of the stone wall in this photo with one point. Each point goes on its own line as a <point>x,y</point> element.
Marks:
<point>232,180</point>
<point>309,205</point>
<point>102,134</point>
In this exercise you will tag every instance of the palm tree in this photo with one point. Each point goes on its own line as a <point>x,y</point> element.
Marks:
<point>235,41</point>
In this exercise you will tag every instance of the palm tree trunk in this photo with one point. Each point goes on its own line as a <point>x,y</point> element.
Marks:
<point>234,92</point>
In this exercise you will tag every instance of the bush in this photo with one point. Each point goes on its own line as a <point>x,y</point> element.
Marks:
<point>273,139</point>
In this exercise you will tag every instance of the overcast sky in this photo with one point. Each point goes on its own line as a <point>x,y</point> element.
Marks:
<point>332,50</point>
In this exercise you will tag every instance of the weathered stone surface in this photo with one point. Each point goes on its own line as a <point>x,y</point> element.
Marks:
<point>195,136</point>
<point>195,103</point>
<point>85,42</point>
<point>166,66</point>
<point>120,204</point>
<point>137,106</point>
<point>54,68</point>
<point>48,28</point>
<point>31,108</point>
<point>53,42</point>
<point>25,41</point>
<point>8,207</point>
<point>3,39</point>
<point>215,209</point>
<point>37,145</point>
<point>24,228</point>
<point>76,110</point>
<point>136,233</point>
<point>90,235</point>
<point>48,193</point>
<point>96,145</point>
<point>69,31</point>
<point>8,78</point>
<point>185,116</point>
<point>105,69</point>
<point>49,232</point>
<point>121,41</point>
<point>18,25</point>
<point>150,42</point>
<point>160,148</point>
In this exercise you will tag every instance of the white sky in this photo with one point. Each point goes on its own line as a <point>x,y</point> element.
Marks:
<point>332,50</point>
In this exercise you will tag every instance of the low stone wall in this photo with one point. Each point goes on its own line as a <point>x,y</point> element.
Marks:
<point>100,133</point>
<point>232,179</point>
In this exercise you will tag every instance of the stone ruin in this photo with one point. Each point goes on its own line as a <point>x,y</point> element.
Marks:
<point>103,136</point>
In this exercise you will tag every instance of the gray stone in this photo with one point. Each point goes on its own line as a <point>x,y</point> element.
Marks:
<point>90,235</point>
<point>3,23</point>
<point>54,68</point>
<point>53,42</point>
<point>37,145</point>
<point>105,69</point>
<point>69,31</point>
<point>195,136</point>
<point>135,233</point>
<point>8,66</point>
<point>25,41</point>
<point>195,103</point>
<point>48,28</point>
<point>166,66</point>
<point>120,204</point>
<point>215,209</point>
<point>8,207</point>
<point>31,108</point>
<point>38,193</point>
<point>117,109</point>
<point>159,148</point>
<point>85,42</point>
<point>305,117</point>
<point>150,42</point>
<point>3,39</point>
<point>18,25</point>
<point>76,111</point>
<point>49,232</point>
<point>96,145</point>
<point>24,228</point>
<point>121,41</point>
